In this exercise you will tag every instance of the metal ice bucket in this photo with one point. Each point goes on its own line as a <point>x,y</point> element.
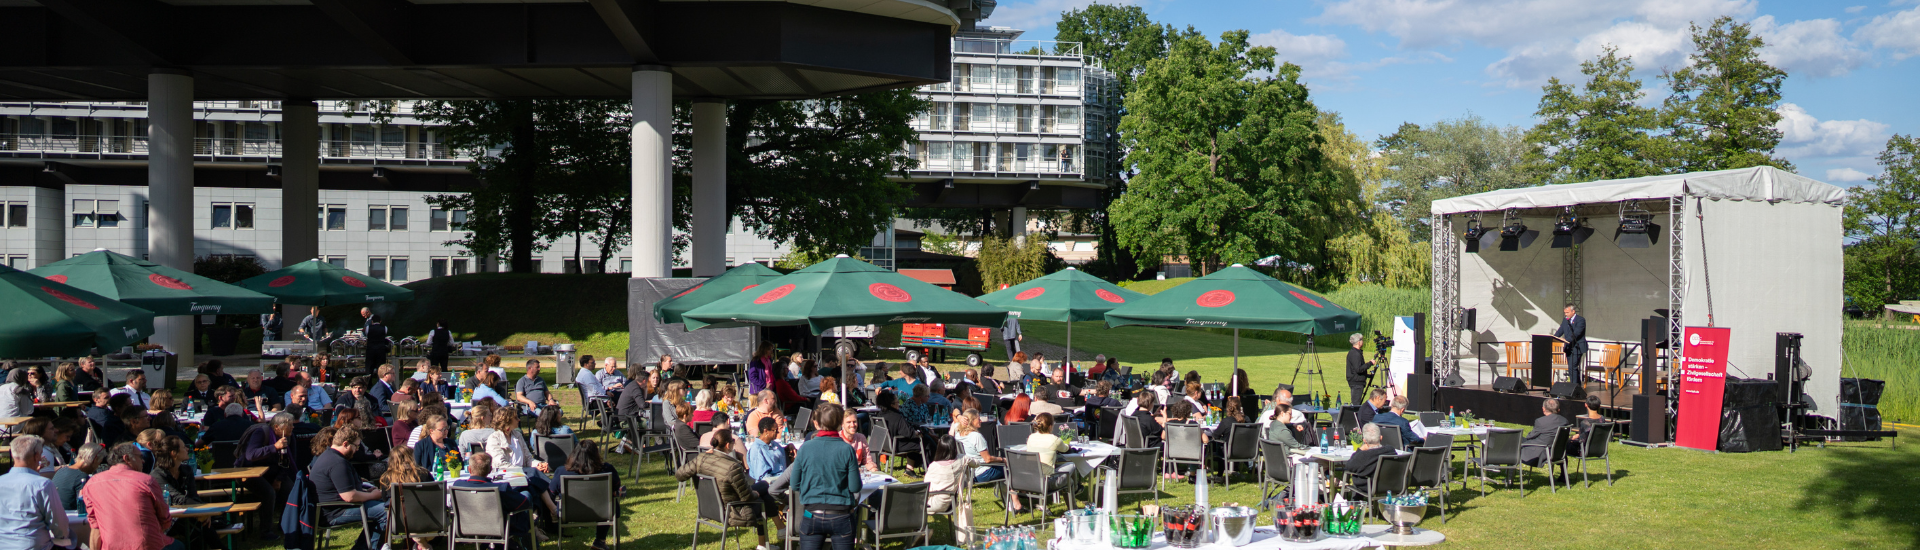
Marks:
<point>1234,525</point>
<point>1403,518</point>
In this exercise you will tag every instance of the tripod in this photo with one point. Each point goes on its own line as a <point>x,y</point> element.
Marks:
<point>1316,371</point>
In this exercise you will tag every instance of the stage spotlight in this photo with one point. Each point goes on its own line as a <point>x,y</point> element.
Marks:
<point>1569,231</point>
<point>1473,235</point>
<point>1514,234</point>
<point>1637,229</point>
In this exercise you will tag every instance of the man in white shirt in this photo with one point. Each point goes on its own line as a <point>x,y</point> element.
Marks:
<point>136,380</point>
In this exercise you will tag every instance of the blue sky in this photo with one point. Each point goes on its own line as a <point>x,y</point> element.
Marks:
<point>1854,67</point>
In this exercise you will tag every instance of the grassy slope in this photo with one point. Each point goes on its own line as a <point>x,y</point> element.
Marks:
<point>588,310</point>
<point>1889,354</point>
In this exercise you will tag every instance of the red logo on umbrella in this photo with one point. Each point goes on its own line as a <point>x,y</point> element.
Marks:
<point>745,288</point>
<point>350,281</point>
<point>284,280</point>
<point>62,279</point>
<point>774,294</point>
<point>168,282</point>
<point>68,298</point>
<point>1109,296</point>
<point>689,291</point>
<point>1030,293</point>
<point>889,292</point>
<point>1215,298</point>
<point>1304,298</point>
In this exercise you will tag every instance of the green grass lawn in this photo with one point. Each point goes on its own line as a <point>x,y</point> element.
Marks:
<point>1267,363</point>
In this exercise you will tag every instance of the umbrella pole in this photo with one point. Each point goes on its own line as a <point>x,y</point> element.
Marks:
<point>1233,377</point>
<point>1069,343</point>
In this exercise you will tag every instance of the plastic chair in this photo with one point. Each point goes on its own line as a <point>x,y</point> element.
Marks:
<point>1390,437</point>
<point>1013,434</point>
<point>1130,433</point>
<point>1594,445</point>
<point>1139,472</point>
<point>1431,469</point>
<point>1501,453</point>
<point>418,509</point>
<point>713,510</point>
<point>1243,445</point>
<point>902,513</point>
<point>326,531</point>
<point>551,449</point>
<point>1389,477</point>
<point>1026,476</point>
<point>1556,456</point>
<point>589,501</point>
<point>1275,469</point>
<point>1183,447</point>
<point>802,423</point>
<point>479,517</point>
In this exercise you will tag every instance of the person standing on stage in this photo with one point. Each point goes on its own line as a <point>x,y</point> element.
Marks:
<point>1574,330</point>
<point>1010,335</point>
<point>1357,365</point>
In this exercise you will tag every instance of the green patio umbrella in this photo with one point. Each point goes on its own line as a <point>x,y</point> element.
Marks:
<point>318,283</point>
<point>1238,297</point>
<point>1067,295</point>
<point>746,277</point>
<point>165,291</point>
<point>840,292</point>
<point>49,319</point>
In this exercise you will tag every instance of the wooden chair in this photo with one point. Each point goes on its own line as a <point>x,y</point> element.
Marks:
<point>1606,359</point>
<point>1519,357</point>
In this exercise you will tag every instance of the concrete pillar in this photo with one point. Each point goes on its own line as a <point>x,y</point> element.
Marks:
<point>299,181</point>
<point>652,171</point>
<point>170,193</point>
<point>1019,224</point>
<point>709,188</point>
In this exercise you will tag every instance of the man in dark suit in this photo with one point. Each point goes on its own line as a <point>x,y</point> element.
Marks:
<point>1376,400</point>
<point>1357,365</point>
<point>1573,329</point>
<point>479,465</point>
<point>1533,450</point>
<point>1394,418</point>
<point>1010,334</point>
<point>377,344</point>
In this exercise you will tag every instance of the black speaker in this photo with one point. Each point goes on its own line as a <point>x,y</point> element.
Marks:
<point>1509,384</point>
<point>1651,331</point>
<point>1420,393</point>
<point>1786,354</point>
<point>1420,343</point>
<point>1567,390</point>
<point>1649,419</point>
<point>1470,317</point>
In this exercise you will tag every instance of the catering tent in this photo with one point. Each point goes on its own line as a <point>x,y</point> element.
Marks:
<point>162,290</point>
<point>1756,250</point>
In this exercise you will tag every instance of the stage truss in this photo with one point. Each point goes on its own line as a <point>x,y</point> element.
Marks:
<point>1446,314</point>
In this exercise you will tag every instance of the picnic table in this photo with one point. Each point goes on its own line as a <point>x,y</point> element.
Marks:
<point>62,404</point>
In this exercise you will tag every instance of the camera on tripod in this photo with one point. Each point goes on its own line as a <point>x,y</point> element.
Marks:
<point>1382,341</point>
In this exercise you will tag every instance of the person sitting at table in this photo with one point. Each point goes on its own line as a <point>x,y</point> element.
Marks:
<point>201,389</point>
<point>90,377</point>
<point>42,384</point>
<point>989,385</point>
<point>16,396</point>
<point>1018,411</point>
<point>436,440</point>
<point>409,391</point>
<point>34,515</point>
<point>943,484</point>
<point>587,460</point>
<point>508,448</point>
<point>273,445</point>
<point>905,433</point>
<point>1152,422</point>
<point>1376,402</point>
<point>1195,396</point>
<point>1220,436</point>
<point>372,411</point>
<point>922,411</point>
<point>436,383</point>
<point>809,381</point>
<point>64,390</point>
<point>829,390</point>
<point>133,420</point>
<point>1060,392</point>
<point>484,389</point>
<point>1361,465</point>
<point>230,425</point>
<point>217,407</point>
<point>480,468</point>
<point>1048,446</point>
<point>703,408</point>
<point>100,415</point>
<point>68,481</point>
<point>1279,430</point>
<point>120,505</point>
<point>405,419</point>
<point>730,475</point>
<point>217,370</point>
<point>1533,449</point>
<point>257,395</point>
<point>402,469</point>
<point>973,444</point>
<point>903,386</point>
<point>765,407</point>
<point>635,399</point>
<point>1394,417</point>
<point>850,432</point>
<point>282,380</point>
<point>317,396</point>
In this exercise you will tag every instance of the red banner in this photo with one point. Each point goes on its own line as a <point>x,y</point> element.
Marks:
<point>1703,379</point>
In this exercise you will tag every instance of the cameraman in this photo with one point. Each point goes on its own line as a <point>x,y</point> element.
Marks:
<point>1357,366</point>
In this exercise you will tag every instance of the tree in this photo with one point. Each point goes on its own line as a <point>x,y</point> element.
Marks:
<point>1722,112</point>
<point>814,173</point>
<point>1599,131</point>
<point>1010,262</point>
<point>1883,221</point>
<point>1449,159</point>
<point>1122,39</point>
<point>1379,249</point>
<point>1230,165</point>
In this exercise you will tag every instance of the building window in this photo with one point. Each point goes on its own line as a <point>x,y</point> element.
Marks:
<point>377,268</point>
<point>336,261</point>
<point>15,214</point>
<point>94,213</point>
<point>397,218</point>
<point>232,215</point>
<point>333,217</point>
<point>436,268</point>
<point>17,261</point>
<point>397,269</point>
<point>626,266</point>
<point>592,266</point>
<point>377,218</point>
<point>459,266</point>
<point>446,220</point>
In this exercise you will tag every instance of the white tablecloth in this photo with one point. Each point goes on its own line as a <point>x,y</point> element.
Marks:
<point>1264,538</point>
<point>871,482</point>
<point>1092,455</point>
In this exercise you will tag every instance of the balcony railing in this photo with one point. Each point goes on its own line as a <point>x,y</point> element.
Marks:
<point>993,46</point>
<point>223,147</point>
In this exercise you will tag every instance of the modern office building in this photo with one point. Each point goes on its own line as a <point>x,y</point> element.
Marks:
<point>1017,116</point>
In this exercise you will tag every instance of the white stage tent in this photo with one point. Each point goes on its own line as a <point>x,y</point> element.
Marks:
<point>1756,250</point>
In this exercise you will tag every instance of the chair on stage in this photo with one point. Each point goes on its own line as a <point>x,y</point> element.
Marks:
<point>1594,445</point>
<point>1605,360</point>
<point>1500,453</point>
<point>1556,455</point>
<point>1519,357</point>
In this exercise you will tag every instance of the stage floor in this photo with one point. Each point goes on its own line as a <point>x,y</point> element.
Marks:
<point>1524,408</point>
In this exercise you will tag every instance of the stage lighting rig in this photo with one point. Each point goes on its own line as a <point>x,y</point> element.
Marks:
<point>1569,230</point>
<point>1637,229</point>
<point>1514,234</point>
<point>1473,235</point>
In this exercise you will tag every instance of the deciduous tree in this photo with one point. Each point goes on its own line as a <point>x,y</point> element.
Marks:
<point>1883,221</point>
<point>1448,159</point>
<point>1722,112</point>
<point>1599,130</point>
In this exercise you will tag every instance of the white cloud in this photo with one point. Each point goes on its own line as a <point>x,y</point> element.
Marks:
<point>1038,14</point>
<point>1846,175</point>
<point>1317,55</point>
<point>1803,135</point>
<point>1812,47</point>
<point>1898,31</point>
<point>1855,9</point>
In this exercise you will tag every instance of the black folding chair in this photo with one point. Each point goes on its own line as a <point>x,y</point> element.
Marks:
<point>418,509</point>
<point>1183,447</point>
<point>1555,455</point>
<point>589,501</point>
<point>1432,469</point>
<point>1242,445</point>
<point>1275,469</point>
<point>902,513</point>
<point>713,510</point>
<point>1594,445</point>
<point>1389,477</point>
<point>1139,471</point>
<point>1501,454</point>
<point>479,517</point>
<point>1027,476</point>
<point>1390,437</point>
